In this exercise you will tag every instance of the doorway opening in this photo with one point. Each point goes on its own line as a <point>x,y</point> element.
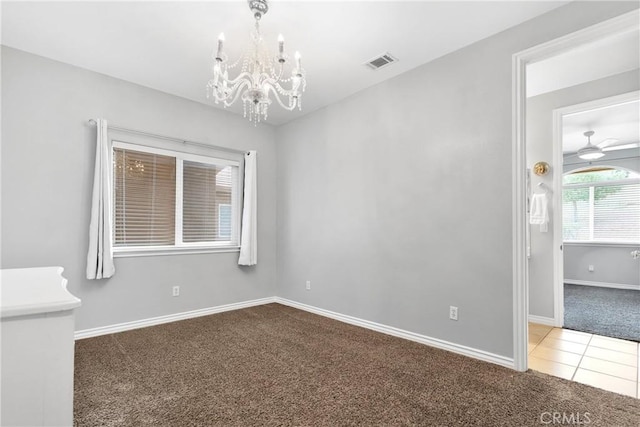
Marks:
<point>538,255</point>
<point>618,27</point>
<point>599,211</point>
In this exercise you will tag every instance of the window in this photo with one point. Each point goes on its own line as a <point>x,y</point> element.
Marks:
<point>168,200</point>
<point>601,205</point>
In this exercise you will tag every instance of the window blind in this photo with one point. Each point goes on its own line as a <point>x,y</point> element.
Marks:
<point>616,213</point>
<point>207,200</point>
<point>602,212</point>
<point>144,192</point>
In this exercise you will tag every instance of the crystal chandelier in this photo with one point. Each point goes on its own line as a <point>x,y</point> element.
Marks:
<point>261,75</point>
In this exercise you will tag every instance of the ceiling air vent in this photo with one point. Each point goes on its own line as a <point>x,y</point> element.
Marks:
<point>381,61</point>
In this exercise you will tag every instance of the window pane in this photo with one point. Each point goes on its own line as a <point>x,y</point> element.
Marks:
<point>617,213</point>
<point>224,220</point>
<point>144,193</point>
<point>207,200</point>
<point>575,214</point>
<point>597,175</point>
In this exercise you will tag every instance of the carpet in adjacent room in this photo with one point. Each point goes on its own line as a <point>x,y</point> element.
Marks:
<point>610,312</point>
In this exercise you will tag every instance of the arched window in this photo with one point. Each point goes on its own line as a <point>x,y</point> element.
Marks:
<point>601,204</point>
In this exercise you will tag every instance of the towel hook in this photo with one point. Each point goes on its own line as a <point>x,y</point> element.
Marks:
<point>543,186</point>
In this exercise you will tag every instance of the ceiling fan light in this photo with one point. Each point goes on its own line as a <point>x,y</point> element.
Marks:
<point>590,152</point>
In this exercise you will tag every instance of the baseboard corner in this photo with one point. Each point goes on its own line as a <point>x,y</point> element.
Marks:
<point>474,353</point>
<point>541,320</point>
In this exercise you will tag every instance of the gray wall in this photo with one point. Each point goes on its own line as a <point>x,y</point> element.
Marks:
<point>47,173</point>
<point>396,202</point>
<point>540,148</point>
<point>612,264</point>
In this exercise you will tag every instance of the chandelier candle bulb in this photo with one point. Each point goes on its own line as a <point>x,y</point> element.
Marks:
<point>281,45</point>
<point>298,61</point>
<point>220,41</point>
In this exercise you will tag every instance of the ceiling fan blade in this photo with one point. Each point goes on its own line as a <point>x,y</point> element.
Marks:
<point>607,142</point>
<point>623,146</point>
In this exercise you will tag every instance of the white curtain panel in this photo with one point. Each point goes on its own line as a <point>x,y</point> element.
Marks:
<point>249,230</point>
<point>100,256</point>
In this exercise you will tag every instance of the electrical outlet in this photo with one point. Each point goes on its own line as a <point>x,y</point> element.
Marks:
<point>453,313</point>
<point>176,291</point>
<point>591,268</point>
<point>308,285</point>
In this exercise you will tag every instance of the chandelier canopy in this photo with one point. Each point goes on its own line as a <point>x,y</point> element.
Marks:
<point>261,74</point>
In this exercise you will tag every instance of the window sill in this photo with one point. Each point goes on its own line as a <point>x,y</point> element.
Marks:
<point>613,244</point>
<point>138,252</point>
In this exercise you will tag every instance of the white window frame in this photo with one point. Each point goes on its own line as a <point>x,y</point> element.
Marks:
<point>180,247</point>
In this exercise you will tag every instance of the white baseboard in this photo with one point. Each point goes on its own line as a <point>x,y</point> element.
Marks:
<point>549,321</point>
<point>602,284</point>
<point>400,333</point>
<point>136,324</point>
<point>389,330</point>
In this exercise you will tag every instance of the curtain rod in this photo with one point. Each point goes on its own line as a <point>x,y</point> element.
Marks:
<point>169,138</point>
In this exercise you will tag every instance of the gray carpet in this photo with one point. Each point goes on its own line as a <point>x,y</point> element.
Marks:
<point>604,311</point>
<point>277,366</point>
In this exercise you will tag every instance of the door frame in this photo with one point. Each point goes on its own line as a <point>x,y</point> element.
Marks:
<point>615,26</point>
<point>558,159</point>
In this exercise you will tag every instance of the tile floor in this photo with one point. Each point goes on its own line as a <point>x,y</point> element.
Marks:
<point>608,363</point>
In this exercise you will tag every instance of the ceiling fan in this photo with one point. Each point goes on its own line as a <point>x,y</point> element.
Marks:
<point>593,152</point>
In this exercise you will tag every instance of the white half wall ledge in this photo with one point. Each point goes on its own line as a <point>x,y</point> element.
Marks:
<point>378,327</point>
<point>401,333</point>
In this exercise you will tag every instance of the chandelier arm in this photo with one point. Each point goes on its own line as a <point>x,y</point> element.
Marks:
<point>286,92</point>
<point>244,76</point>
<point>232,89</point>
<point>223,96</point>
<point>294,91</point>
<point>234,94</point>
<point>277,87</point>
<point>277,77</point>
<point>290,107</point>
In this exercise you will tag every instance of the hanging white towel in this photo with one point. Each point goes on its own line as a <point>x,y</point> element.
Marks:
<point>539,213</point>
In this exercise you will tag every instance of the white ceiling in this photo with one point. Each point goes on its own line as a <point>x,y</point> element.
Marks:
<point>620,122</point>
<point>168,45</point>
